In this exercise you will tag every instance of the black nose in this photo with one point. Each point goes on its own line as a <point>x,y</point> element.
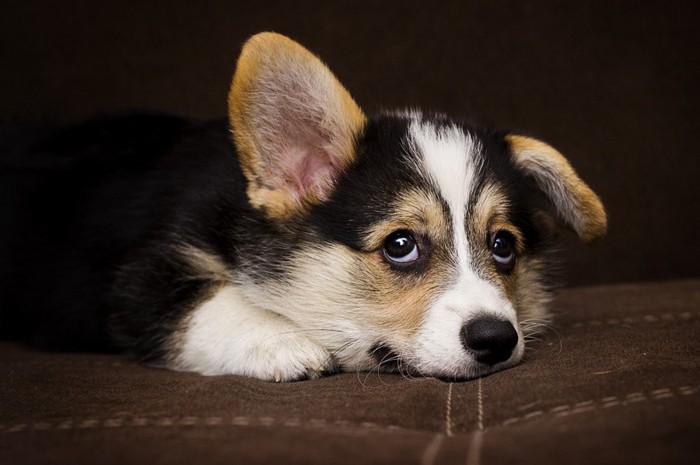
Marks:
<point>490,339</point>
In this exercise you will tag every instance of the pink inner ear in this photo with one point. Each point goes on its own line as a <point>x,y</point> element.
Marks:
<point>307,169</point>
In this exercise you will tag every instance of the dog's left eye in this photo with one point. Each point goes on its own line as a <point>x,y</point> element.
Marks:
<point>401,248</point>
<point>503,251</point>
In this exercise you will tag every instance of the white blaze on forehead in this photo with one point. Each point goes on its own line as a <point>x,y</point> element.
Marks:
<point>448,157</point>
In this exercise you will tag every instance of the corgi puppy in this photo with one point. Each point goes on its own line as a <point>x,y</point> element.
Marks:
<point>298,238</point>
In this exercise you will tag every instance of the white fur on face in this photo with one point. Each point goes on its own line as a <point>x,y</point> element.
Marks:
<point>450,158</point>
<point>449,162</point>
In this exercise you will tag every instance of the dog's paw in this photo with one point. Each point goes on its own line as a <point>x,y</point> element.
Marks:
<point>260,354</point>
<point>271,352</point>
<point>288,357</point>
<point>229,336</point>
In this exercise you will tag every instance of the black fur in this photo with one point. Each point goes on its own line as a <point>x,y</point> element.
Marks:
<point>107,194</point>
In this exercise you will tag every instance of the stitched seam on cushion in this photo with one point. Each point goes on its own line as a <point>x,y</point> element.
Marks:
<point>681,316</point>
<point>336,425</point>
<point>475,445</point>
<point>143,421</point>
<point>432,449</point>
<point>480,407</point>
<point>603,403</point>
<point>448,412</point>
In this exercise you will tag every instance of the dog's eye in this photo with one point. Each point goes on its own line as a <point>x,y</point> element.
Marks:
<point>502,250</point>
<point>400,247</point>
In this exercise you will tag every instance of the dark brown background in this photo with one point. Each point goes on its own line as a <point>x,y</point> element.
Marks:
<point>612,84</point>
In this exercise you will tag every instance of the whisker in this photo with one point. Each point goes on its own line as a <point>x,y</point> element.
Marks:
<point>335,352</point>
<point>310,331</point>
<point>537,327</point>
<point>369,372</point>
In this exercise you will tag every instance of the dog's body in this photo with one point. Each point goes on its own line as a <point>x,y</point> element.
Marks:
<point>315,239</point>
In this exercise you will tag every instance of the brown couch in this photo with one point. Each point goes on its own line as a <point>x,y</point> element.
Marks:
<point>616,382</point>
<point>612,84</point>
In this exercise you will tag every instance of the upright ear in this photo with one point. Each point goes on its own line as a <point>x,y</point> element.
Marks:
<point>574,202</point>
<point>293,123</point>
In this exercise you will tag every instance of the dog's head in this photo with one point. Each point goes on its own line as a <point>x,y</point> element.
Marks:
<point>403,240</point>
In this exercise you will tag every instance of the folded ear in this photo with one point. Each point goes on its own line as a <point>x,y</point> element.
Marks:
<point>574,202</point>
<point>293,123</point>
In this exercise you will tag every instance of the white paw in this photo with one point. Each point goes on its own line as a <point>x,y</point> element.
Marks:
<point>227,335</point>
<point>288,357</point>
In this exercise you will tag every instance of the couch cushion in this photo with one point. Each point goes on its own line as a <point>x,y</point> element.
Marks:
<point>616,380</point>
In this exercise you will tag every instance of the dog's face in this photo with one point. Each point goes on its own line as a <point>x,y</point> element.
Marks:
<point>417,243</point>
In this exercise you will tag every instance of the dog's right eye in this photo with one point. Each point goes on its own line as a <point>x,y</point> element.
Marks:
<point>401,248</point>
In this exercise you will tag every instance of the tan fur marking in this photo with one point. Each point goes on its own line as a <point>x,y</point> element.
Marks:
<point>577,204</point>
<point>403,299</point>
<point>492,201</point>
<point>522,286</point>
<point>370,291</point>
<point>531,299</point>
<point>270,68</point>
<point>490,216</point>
<point>205,265</point>
<point>416,211</point>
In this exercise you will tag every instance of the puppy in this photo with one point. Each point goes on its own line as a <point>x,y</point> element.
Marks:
<point>298,238</point>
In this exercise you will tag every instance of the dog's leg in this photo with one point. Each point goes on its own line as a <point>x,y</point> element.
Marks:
<point>228,334</point>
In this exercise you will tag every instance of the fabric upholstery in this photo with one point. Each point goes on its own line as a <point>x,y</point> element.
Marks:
<point>615,381</point>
